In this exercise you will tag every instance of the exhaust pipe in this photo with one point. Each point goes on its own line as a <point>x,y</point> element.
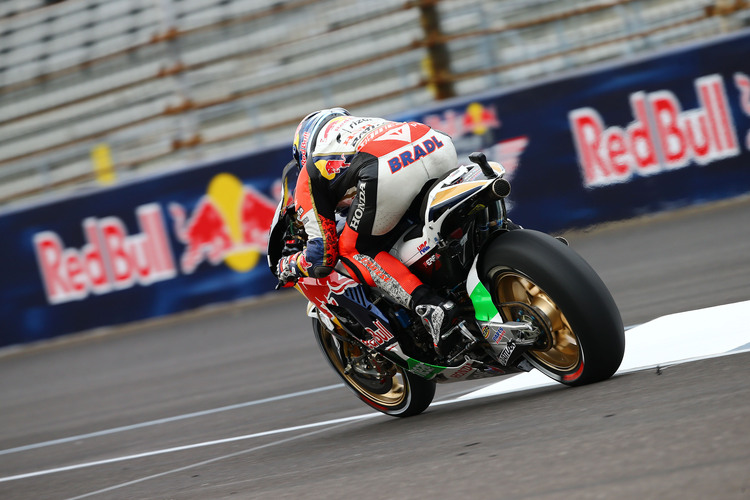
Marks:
<point>500,188</point>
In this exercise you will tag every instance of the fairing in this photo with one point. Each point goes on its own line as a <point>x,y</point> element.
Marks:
<point>280,219</point>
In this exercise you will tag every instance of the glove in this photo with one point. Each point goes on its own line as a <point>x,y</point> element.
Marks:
<point>287,270</point>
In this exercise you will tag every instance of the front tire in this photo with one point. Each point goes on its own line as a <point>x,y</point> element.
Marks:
<point>535,278</point>
<point>379,383</point>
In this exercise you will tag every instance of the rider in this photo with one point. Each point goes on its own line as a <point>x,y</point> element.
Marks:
<point>377,167</point>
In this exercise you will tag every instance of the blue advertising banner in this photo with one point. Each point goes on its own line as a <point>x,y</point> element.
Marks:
<point>611,143</point>
<point>151,248</point>
<point>616,142</point>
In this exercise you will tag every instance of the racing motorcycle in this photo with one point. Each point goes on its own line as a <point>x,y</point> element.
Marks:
<point>525,299</point>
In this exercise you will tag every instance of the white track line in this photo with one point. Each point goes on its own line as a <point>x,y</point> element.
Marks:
<point>141,425</point>
<point>327,423</point>
<point>664,335</point>
<point>205,462</point>
<point>668,340</point>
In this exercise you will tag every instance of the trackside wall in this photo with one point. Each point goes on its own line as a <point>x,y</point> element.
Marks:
<point>655,133</point>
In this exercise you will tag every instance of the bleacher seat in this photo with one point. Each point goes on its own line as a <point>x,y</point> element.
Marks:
<point>83,71</point>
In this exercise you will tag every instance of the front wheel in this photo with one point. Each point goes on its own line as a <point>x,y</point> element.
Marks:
<point>536,279</point>
<point>375,380</point>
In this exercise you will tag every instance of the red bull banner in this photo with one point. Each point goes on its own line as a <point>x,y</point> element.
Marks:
<point>608,143</point>
<point>661,137</point>
<point>151,248</point>
<point>620,140</point>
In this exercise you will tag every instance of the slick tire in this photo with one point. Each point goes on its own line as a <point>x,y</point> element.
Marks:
<point>394,391</point>
<point>559,292</point>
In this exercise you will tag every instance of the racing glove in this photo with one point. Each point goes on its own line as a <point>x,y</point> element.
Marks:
<point>287,270</point>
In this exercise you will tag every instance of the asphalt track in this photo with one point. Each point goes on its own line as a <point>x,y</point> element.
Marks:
<point>238,402</point>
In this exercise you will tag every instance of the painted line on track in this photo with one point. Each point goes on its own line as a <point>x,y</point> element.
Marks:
<point>141,425</point>
<point>644,343</point>
<point>166,420</point>
<point>327,423</point>
<point>204,462</point>
<point>665,341</point>
<point>538,381</point>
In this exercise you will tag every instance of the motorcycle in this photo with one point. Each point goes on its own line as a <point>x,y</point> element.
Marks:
<point>525,299</point>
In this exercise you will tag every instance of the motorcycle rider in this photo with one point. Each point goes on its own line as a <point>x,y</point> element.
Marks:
<point>377,167</point>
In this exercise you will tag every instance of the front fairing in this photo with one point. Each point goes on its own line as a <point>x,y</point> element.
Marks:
<point>281,218</point>
<point>330,295</point>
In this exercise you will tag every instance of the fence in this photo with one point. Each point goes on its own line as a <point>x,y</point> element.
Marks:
<point>155,84</point>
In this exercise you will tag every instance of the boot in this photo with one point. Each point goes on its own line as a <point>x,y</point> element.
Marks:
<point>437,319</point>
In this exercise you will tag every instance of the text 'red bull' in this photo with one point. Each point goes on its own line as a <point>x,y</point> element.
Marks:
<point>662,136</point>
<point>110,260</point>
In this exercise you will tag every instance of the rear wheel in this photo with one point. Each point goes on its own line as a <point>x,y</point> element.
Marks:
<point>375,380</point>
<point>536,279</point>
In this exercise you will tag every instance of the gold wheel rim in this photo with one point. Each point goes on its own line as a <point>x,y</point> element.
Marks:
<point>563,354</point>
<point>395,396</point>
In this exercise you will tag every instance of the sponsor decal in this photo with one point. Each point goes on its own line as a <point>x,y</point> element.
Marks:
<point>472,130</point>
<point>359,211</point>
<point>742,81</point>
<point>381,133</point>
<point>329,168</point>
<point>110,260</point>
<point>430,261</point>
<point>424,247</point>
<point>229,224</point>
<point>356,139</point>
<point>333,125</point>
<point>322,292</point>
<point>408,157</point>
<point>463,371</point>
<point>661,137</point>
<point>379,336</point>
<point>743,85</point>
<point>422,370</point>
<point>384,280</point>
<point>476,119</point>
<point>375,270</point>
<point>303,149</point>
<point>494,335</point>
<point>303,264</point>
<point>506,353</point>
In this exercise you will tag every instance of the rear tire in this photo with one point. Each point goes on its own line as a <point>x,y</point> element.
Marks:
<point>555,289</point>
<point>379,383</point>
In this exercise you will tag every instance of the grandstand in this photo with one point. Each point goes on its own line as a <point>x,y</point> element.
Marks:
<point>165,83</point>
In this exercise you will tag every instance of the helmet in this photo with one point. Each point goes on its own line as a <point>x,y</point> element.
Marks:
<point>307,132</point>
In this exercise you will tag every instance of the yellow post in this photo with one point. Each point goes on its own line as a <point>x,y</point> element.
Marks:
<point>101,158</point>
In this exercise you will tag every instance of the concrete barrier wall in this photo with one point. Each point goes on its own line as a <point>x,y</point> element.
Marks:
<point>613,142</point>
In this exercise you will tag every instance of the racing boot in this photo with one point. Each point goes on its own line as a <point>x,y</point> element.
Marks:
<point>437,319</point>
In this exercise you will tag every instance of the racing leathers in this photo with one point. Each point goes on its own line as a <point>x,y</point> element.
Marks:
<point>377,168</point>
